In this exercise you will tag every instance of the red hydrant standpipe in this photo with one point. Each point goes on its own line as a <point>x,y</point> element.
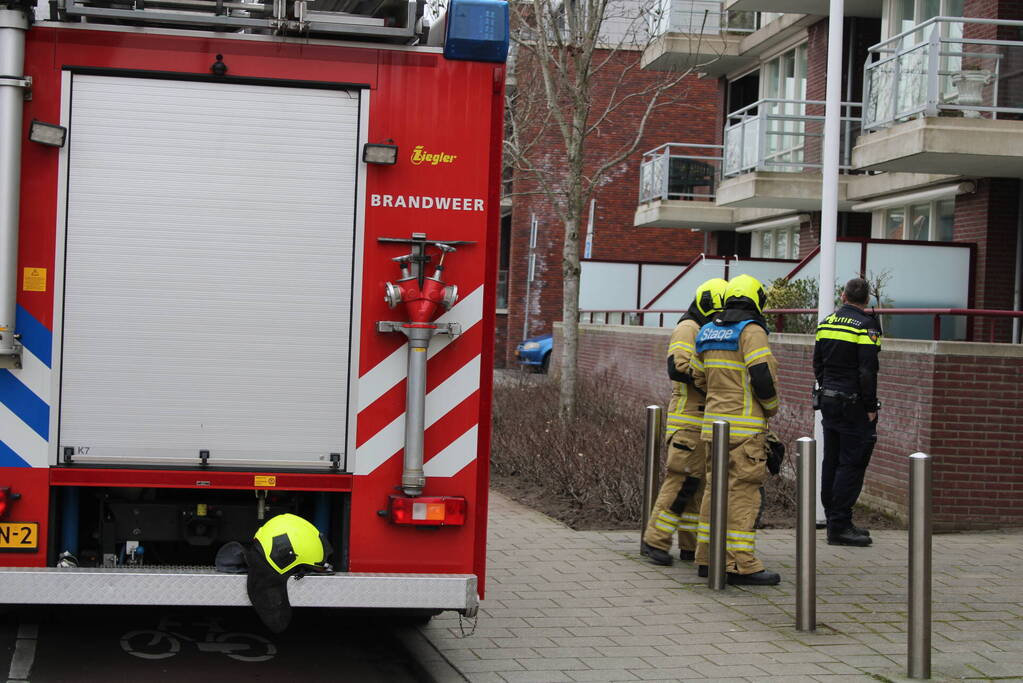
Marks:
<point>422,297</point>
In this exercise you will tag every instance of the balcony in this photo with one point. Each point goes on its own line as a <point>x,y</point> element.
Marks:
<point>698,34</point>
<point>945,97</point>
<point>772,155</point>
<point>677,183</point>
<point>853,8</point>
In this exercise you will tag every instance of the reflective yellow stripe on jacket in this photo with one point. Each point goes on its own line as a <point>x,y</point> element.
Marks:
<point>681,345</point>
<point>757,355</point>
<point>738,425</point>
<point>677,421</point>
<point>846,333</point>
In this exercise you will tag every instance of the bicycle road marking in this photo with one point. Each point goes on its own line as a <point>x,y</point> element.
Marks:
<point>216,640</point>
<point>24,653</point>
<point>155,636</point>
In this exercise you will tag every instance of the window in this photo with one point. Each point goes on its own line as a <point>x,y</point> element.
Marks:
<point>905,14</point>
<point>767,134</point>
<point>926,222</point>
<point>784,78</point>
<point>910,66</point>
<point>502,264</point>
<point>777,243</point>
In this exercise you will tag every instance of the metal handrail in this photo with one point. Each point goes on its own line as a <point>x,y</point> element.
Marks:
<point>935,20</point>
<point>929,93</point>
<point>655,171</point>
<point>780,313</point>
<point>749,129</point>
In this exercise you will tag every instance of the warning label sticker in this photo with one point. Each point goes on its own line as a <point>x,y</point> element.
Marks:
<point>34,280</point>
<point>263,480</point>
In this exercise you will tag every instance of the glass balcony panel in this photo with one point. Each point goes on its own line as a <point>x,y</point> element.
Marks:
<point>911,93</point>
<point>784,135</point>
<point>680,171</point>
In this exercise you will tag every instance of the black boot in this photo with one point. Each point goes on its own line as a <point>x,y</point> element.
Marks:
<point>656,555</point>
<point>848,537</point>
<point>702,571</point>
<point>687,555</point>
<point>764,577</point>
<point>859,531</point>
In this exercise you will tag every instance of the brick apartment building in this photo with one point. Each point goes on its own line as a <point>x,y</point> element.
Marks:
<point>930,197</point>
<point>930,149</point>
<point>614,238</point>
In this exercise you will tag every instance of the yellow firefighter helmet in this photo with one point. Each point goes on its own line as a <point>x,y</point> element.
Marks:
<point>288,542</point>
<point>710,296</point>
<point>746,287</point>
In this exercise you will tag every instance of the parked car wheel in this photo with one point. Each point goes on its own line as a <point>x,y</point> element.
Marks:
<point>545,363</point>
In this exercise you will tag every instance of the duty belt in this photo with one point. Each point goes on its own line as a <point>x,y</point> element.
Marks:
<point>840,395</point>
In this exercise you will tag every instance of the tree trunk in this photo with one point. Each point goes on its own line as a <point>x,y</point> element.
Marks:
<point>570,318</point>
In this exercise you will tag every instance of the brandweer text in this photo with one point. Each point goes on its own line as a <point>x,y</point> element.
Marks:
<point>411,201</point>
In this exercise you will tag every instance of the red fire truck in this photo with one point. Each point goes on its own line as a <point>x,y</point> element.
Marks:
<point>247,267</point>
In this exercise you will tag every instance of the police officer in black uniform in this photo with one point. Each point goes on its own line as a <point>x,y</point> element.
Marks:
<point>845,365</point>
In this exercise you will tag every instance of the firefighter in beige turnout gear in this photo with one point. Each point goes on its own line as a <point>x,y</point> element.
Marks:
<point>734,366</point>
<point>678,503</point>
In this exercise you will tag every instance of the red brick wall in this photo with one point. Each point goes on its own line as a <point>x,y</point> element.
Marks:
<point>978,432</point>
<point>961,403</point>
<point>695,117</point>
<point>989,218</point>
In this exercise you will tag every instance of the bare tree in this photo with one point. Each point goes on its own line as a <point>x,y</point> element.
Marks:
<point>576,75</point>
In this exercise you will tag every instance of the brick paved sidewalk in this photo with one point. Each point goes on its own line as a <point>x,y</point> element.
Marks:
<point>566,605</point>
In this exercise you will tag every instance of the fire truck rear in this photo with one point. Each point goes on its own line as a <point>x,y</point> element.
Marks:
<point>247,267</point>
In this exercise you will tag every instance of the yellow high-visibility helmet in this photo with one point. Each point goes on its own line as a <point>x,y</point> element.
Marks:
<point>288,541</point>
<point>747,287</point>
<point>710,296</point>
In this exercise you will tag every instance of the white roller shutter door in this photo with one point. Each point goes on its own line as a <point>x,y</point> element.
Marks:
<point>208,276</point>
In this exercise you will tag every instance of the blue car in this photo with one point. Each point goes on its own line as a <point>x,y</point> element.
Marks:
<point>536,352</point>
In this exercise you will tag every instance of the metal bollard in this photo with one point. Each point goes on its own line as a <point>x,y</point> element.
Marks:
<point>806,535</point>
<point>718,505</point>
<point>652,465</point>
<point>919,566</point>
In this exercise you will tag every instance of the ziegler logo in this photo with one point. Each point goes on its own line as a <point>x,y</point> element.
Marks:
<point>420,157</point>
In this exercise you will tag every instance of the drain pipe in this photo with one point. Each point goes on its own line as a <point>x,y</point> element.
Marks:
<point>1019,269</point>
<point>13,25</point>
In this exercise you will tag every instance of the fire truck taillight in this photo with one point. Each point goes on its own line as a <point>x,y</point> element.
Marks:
<point>428,510</point>
<point>5,499</point>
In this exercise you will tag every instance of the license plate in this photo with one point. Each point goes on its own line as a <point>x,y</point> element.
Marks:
<point>19,535</point>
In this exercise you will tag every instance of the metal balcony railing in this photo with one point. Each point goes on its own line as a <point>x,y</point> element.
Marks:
<point>678,170</point>
<point>952,66</point>
<point>700,17</point>
<point>784,135</point>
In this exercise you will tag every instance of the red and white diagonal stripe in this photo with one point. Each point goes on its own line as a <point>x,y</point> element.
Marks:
<point>451,391</point>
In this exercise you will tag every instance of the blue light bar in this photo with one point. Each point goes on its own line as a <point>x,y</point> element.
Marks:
<point>477,30</point>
